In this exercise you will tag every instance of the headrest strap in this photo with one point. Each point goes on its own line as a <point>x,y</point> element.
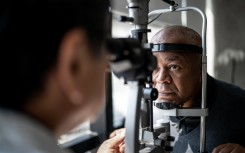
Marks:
<point>176,47</point>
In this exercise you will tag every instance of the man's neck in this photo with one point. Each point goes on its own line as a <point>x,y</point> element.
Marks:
<point>191,103</point>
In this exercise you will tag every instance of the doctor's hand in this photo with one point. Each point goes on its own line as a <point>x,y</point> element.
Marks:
<point>114,144</point>
<point>229,148</point>
<point>117,132</point>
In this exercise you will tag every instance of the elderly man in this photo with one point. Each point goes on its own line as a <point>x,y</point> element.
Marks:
<point>178,80</point>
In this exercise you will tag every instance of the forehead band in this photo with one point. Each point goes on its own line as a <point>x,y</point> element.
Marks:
<point>176,47</point>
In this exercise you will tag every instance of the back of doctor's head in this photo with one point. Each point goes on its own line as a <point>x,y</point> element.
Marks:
<point>30,34</point>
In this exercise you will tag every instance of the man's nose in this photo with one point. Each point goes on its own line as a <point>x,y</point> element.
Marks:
<point>163,76</point>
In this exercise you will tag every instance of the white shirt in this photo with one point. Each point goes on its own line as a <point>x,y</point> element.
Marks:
<point>22,134</point>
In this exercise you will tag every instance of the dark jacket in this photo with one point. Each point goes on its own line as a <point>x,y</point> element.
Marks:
<point>225,123</point>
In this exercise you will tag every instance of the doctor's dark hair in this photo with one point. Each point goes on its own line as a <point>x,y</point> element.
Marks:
<point>30,35</point>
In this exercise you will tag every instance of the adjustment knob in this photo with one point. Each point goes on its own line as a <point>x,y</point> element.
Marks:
<point>150,93</point>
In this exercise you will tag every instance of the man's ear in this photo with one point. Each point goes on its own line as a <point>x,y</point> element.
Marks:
<point>68,64</point>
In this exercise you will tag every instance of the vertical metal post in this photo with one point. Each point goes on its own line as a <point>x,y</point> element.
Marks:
<point>138,10</point>
<point>132,118</point>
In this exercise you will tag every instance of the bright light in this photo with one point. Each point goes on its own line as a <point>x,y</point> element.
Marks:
<point>210,38</point>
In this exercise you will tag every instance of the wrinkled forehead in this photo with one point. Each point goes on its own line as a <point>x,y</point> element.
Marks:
<point>170,56</point>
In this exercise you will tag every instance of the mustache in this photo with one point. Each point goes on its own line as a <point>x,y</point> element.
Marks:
<point>163,87</point>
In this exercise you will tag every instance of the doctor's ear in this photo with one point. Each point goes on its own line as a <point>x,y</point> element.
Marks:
<point>69,64</point>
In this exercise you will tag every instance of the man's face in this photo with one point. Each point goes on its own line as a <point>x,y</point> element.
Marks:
<point>177,77</point>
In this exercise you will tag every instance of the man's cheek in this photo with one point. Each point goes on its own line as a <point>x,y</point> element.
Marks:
<point>154,84</point>
<point>153,79</point>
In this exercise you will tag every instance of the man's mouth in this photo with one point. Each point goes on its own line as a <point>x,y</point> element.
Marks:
<point>169,96</point>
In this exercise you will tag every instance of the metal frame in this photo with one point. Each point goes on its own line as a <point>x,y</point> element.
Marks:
<point>138,10</point>
<point>204,66</point>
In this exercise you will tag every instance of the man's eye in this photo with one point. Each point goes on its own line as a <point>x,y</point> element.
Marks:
<point>174,67</point>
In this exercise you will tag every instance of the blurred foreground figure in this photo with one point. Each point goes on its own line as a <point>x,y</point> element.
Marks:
<point>52,56</point>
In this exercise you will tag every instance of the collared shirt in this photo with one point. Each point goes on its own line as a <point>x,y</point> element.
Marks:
<point>22,134</point>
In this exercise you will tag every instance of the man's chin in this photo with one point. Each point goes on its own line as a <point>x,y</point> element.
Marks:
<point>164,101</point>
